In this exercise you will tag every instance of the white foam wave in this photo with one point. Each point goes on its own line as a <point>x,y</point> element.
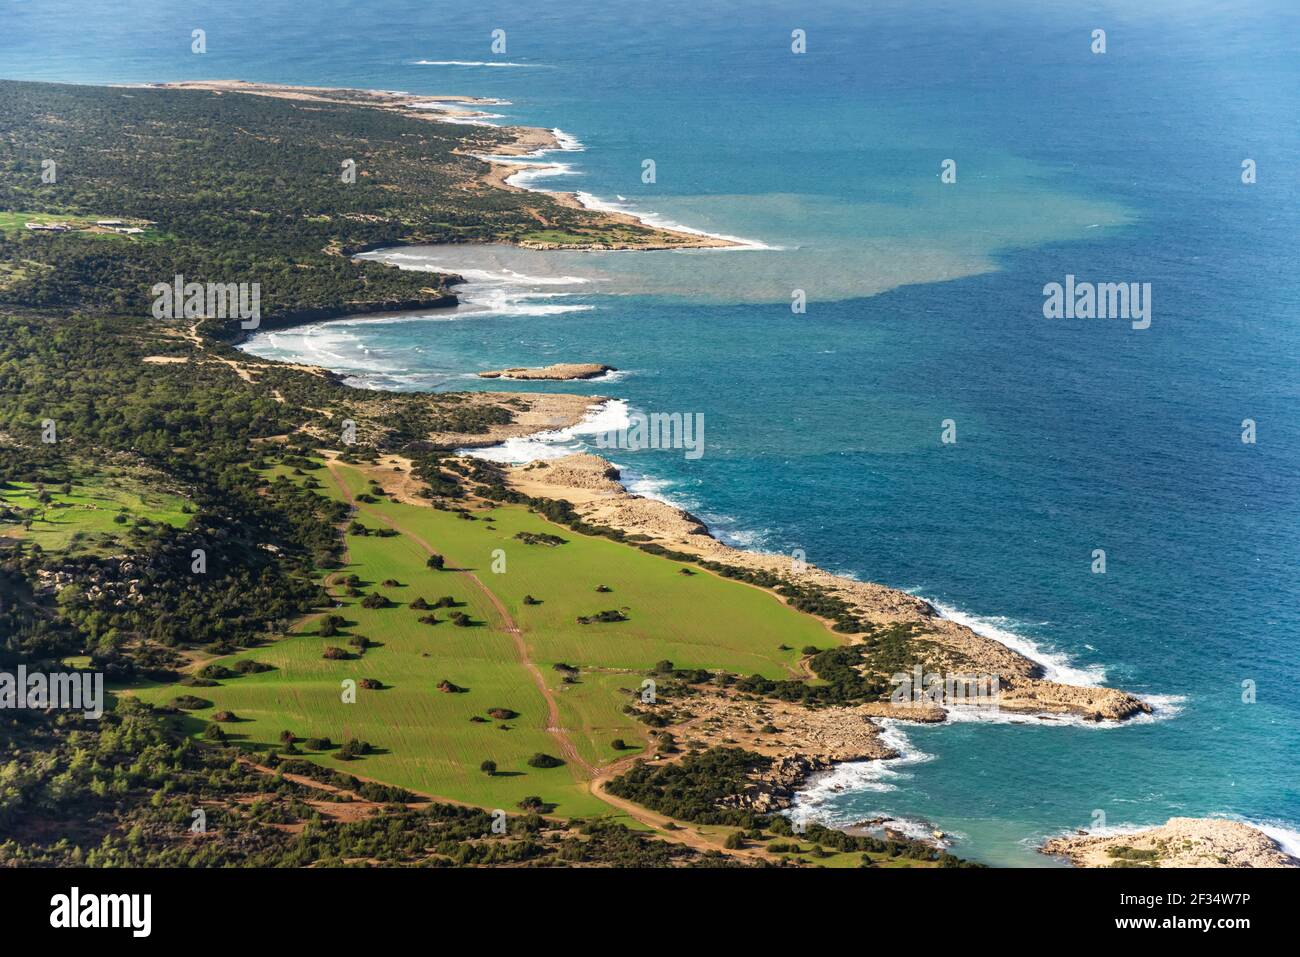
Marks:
<point>1056,665</point>
<point>612,415</point>
<point>568,142</point>
<point>424,262</point>
<point>525,178</point>
<point>493,63</point>
<point>501,302</point>
<point>1107,830</point>
<point>511,275</point>
<point>1163,708</point>
<point>495,291</point>
<point>638,483</point>
<point>532,156</point>
<point>1286,835</point>
<point>483,119</point>
<point>456,113</point>
<point>592,202</point>
<point>859,776</point>
<point>455,103</point>
<point>722,527</point>
<point>607,416</point>
<point>330,347</point>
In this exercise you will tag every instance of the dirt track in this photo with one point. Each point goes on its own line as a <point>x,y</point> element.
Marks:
<point>596,777</point>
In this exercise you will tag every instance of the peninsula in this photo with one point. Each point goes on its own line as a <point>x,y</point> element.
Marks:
<point>1181,842</point>
<point>630,690</point>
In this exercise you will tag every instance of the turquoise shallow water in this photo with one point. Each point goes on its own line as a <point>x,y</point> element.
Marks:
<point>924,305</point>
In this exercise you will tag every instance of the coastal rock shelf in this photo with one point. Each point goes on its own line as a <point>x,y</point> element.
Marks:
<point>561,371</point>
<point>1180,842</point>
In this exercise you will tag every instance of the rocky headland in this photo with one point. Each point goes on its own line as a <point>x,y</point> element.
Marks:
<point>1180,842</point>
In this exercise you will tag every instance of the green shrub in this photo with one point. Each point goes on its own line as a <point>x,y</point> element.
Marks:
<point>189,702</point>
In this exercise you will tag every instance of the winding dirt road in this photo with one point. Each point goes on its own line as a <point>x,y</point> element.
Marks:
<point>583,771</point>
<point>507,624</point>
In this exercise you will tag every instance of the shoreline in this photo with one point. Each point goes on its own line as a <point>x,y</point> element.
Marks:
<point>823,748</point>
<point>830,741</point>
<point>530,143</point>
<point>1181,842</point>
<point>1032,696</point>
<point>591,484</point>
<point>524,142</point>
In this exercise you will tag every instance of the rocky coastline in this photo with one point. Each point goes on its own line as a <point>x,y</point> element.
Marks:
<point>591,484</point>
<point>1180,842</point>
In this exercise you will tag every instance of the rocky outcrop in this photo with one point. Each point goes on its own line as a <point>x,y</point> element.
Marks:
<point>1181,842</point>
<point>562,371</point>
<point>531,412</point>
<point>774,790</point>
<point>584,472</point>
<point>800,741</point>
<point>1036,696</point>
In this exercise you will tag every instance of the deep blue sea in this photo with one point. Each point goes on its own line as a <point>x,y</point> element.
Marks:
<point>924,303</point>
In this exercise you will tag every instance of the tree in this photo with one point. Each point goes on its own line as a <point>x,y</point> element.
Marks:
<point>352,748</point>
<point>436,561</point>
<point>488,767</point>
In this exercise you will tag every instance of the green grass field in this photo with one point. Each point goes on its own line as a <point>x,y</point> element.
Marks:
<point>87,517</point>
<point>425,738</point>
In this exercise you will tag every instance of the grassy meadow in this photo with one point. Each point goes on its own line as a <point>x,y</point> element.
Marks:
<point>91,515</point>
<point>426,739</point>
